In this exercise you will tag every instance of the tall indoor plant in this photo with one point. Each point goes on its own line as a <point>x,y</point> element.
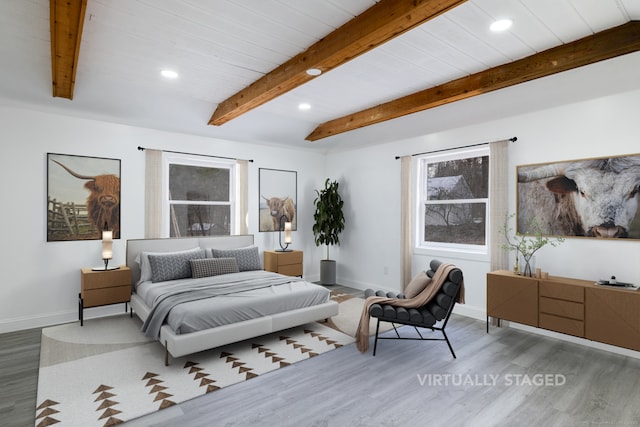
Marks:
<point>329,223</point>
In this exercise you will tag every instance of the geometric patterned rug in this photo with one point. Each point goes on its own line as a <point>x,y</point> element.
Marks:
<point>107,372</point>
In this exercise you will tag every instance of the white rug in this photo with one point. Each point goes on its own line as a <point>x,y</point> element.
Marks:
<point>349,317</point>
<point>107,372</point>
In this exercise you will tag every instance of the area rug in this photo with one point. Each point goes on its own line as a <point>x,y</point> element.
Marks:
<point>107,372</point>
<point>349,316</point>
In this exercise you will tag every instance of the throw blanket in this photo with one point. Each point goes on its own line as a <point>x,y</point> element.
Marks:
<point>181,291</point>
<point>432,288</point>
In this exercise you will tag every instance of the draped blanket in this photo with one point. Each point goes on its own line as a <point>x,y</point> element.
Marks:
<point>430,290</point>
<point>181,291</point>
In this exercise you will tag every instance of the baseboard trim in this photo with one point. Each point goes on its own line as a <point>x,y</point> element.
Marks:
<point>31,322</point>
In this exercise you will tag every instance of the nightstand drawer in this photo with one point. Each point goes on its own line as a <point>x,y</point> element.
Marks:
<point>112,295</point>
<point>288,258</point>
<point>290,270</point>
<point>99,279</point>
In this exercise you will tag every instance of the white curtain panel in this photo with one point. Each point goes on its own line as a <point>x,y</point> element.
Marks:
<point>498,187</point>
<point>153,194</point>
<point>243,197</point>
<point>406,221</point>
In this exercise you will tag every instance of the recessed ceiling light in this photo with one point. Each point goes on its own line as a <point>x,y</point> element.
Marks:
<point>304,106</point>
<point>501,25</point>
<point>170,74</point>
<point>314,71</point>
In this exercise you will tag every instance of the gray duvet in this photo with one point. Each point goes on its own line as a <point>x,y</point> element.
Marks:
<point>190,305</point>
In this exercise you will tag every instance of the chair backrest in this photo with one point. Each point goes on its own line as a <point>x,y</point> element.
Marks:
<point>442,304</point>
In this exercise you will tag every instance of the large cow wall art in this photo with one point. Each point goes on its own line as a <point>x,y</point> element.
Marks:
<point>590,198</point>
<point>83,197</point>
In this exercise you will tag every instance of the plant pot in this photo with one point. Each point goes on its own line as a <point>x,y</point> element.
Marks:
<point>327,272</point>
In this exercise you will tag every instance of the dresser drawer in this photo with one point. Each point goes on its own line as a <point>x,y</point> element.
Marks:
<point>561,324</point>
<point>569,309</point>
<point>562,291</point>
<point>290,270</point>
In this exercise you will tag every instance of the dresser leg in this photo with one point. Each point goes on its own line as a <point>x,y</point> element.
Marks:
<point>80,310</point>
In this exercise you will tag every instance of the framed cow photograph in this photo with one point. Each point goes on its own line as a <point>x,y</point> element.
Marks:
<point>278,192</point>
<point>83,197</point>
<point>594,198</point>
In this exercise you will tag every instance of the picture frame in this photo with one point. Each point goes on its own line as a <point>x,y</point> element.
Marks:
<point>278,199</point>
<point>83,197</point>
<point>589,198</point>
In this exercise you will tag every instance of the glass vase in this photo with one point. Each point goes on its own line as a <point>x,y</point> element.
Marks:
<point>528,265</point>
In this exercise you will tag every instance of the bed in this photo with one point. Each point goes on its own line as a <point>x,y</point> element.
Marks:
<point>226,298</point>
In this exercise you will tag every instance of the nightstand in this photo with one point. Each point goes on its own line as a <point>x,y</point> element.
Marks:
<point>103,287</point>
<point>287,263</point>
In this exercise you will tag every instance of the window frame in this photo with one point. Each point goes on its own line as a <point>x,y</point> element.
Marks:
<point>420,193</point>
<point>197,161</point>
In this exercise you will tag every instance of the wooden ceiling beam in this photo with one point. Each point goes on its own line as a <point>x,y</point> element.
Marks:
<point>66,21</point>
<point>607,44</point>
<point>375,26</point>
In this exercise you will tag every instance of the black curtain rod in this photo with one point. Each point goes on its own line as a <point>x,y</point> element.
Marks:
<point>514,139</point>
<point>194,154</point>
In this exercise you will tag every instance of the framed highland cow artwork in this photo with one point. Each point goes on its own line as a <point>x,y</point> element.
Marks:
<point>83,197</point>
<point>278,192</point>
<point>595,198</point>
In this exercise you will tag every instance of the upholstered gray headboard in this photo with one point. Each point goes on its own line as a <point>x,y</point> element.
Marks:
<point>135,246</point>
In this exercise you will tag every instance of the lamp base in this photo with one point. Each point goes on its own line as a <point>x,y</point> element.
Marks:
<point>284,250</point>
<point>102,268</point>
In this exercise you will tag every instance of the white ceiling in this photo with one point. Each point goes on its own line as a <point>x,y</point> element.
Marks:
<point>221,46</point>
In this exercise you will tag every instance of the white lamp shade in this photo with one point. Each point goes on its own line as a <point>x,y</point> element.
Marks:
<point>107,244</point>
<point>287,232</point>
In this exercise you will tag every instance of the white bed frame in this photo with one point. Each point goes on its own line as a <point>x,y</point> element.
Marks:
<point>182,344</point>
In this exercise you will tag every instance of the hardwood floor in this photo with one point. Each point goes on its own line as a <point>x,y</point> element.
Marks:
<point>505,378</point>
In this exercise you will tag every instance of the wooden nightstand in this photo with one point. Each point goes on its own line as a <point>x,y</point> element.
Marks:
<point>288,263</point>
<point>103,287</point>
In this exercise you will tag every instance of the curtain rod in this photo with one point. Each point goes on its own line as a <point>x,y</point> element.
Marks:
<point>514,139</point>
<point>194,154</point>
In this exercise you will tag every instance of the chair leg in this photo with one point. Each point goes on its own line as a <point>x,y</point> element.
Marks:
<point>448,343</point>
<point>375,343</point>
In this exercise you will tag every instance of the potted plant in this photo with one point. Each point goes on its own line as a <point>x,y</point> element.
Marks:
<point>525,246</point>
<point>329,222</point>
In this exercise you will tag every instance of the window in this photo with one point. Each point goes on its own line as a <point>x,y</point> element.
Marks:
<point>453,200</point>
<point>199,198</point>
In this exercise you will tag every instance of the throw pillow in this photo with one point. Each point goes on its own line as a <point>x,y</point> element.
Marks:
<point>248,258</point>
<point>213,267</point>
<point>172,266</point>
<point>145,268</point>
<point>417,285</point>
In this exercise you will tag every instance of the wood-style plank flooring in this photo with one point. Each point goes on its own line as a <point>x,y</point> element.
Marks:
<point>505,378</point>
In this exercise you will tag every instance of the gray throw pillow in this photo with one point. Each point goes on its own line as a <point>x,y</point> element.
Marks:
<point>213,267</point>
<point>248,258</point>
<point>172,266</point>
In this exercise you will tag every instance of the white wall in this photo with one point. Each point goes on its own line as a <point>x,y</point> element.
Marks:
<point>369,253</point>
<point>41,279</point>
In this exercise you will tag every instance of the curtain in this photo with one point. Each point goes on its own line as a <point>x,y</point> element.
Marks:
<point>153,194</point>
<point>242,206</point>
<point>405,219</point>
<point>498,176</point>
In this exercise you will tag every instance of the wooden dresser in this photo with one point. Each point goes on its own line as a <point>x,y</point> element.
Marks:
<point>576,307</point>
<point>288,263</point>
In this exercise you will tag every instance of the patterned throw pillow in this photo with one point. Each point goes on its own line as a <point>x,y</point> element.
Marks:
<point>248,258</point>
<point>145,267</point>
<point>213,267</point>
<point>172,266</point>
